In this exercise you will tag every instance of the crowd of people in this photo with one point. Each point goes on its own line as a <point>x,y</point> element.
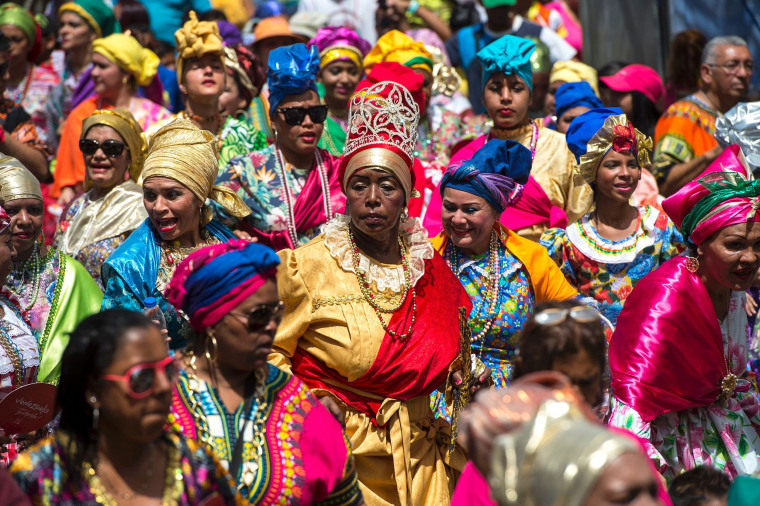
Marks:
<point>347,252</point>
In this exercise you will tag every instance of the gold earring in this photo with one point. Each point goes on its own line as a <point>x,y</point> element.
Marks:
<point>405,215</point>
<point>124,80</point>
<point>211,356</point>
<point>692,264</point>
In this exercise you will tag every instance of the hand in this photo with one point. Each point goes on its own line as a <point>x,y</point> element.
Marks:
<point>67,195</point>
<point>334,409</point>
<point>711,155</point>
<point>484,381</point>
<point>242,234</point>
<point>750,305</point>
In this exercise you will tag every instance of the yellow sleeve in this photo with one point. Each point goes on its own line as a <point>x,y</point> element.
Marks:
<point>298,310</point>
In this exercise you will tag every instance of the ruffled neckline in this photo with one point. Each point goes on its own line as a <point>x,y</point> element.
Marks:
<point>385,277</point>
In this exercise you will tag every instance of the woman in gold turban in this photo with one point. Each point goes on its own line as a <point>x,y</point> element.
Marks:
<point>178,177</point>
<point>53,289</point>
<point>201,71</point>
<point>120,65</point>
<point>99,220</point>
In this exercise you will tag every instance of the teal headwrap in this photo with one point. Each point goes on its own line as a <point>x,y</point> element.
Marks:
<point>509,54</point>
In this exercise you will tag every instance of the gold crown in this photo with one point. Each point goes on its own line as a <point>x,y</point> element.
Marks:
<point>384,113</point>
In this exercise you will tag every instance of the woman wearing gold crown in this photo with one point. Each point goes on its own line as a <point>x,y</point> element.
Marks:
<point>363,326</point>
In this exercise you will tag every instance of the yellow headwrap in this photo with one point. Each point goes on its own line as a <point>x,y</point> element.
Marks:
<point>16,182</point>
<point>125,124</point>
<point>401,48</point>
<point>183,152</point>
<point>333,53</point>
<point>129,55</point>
<point>195,39</point>
<point>573,72</point>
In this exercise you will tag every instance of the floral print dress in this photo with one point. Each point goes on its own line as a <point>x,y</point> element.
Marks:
<point>722,436</point>
<point>608,270</point>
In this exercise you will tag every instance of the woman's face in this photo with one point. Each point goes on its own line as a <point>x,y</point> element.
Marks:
<point>27,223</point>
<point>240,347</point>
<point>507,99</point>
<point>618,176</point>
<point>624,100</point>
<point>74,32</point>
<point>173,209</point>
<point>549,100</point>
<point>339,79</point>
<point>231,100</point>
<point>107,76</point>
<point>563,123</point>
<point>6,254</point>
<point>375,200</point>
<point>20,45</point>
<point>105,171</point>
<point>584,373</point>
<point>140,420</point>
<point>627,480</point>
<point>203,78</point>
<point>467,220</point>
<point>730,258</point>
<point>303,138</point>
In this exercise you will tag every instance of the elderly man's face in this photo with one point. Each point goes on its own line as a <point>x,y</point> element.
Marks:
<point>731,72</point>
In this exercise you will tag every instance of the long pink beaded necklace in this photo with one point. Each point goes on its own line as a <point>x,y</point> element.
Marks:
<point>290,218</point>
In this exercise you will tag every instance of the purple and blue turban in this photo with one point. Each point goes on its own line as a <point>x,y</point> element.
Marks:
<point>496,172</point>
<point>212,281</point>
<point>291,71</point>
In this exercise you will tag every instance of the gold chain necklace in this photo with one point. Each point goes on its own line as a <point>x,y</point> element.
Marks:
<point>370,297</point>
<point>730,380</point>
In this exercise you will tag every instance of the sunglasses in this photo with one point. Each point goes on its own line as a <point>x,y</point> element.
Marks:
<point>296,115</point>
<point>111,148</point>
<point>555,316</point>
<point>261,315</point>
<point>141,378</point>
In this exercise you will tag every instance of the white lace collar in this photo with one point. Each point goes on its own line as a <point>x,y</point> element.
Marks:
<point>385,277</point>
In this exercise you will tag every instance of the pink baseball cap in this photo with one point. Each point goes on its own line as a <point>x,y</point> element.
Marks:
<point>639,78</point>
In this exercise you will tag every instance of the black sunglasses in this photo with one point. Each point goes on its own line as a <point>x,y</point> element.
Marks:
<point>296,115</point>
<point>261,315</point>
<point>111,148</point>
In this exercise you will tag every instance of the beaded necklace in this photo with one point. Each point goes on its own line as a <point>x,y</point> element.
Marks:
<point>10,347</point>
<point>35,260</point>
<point>290,215</point>
<point>259,408</point>
<point>492,291</point>
<point>370,297</point>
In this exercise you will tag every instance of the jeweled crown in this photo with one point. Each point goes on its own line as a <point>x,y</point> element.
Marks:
<point>384,113</point>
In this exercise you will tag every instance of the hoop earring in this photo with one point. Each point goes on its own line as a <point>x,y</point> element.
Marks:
<point>692,264</point>
<point>211,357</point>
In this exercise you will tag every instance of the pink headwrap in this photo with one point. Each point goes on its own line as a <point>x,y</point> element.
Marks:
<point>723,195</point>
<point>214,280</point>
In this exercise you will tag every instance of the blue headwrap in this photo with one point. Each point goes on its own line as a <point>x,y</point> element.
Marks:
<point>495,172</point>
<point>509,54</point>
<point>585,126</point>
<point>292,70</point>
<point>578,94</point>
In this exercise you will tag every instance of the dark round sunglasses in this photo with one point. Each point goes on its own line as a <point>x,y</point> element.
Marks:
<point>258,319</point>
<point>111,148</point>
<point>296,115</point>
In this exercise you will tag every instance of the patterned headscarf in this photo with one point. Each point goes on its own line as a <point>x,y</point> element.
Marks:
<point>496,172</point>
<point>127,127</point>
<point>509,54</point>
<point>183,152</point>
<point>214,280</point>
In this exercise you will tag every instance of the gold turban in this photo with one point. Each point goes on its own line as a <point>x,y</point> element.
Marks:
<point>125,125</point>
<point>573,72</point>
<point>16,182</point>
<point>129,55</point>
<point>401,48</point>
<point>556,458</point>
<point>195,39</point>
<point>385,160</point>
<point>183,152</point>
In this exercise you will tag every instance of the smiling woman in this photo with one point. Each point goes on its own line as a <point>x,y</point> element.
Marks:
<point>679,366</point>
<point>292,186</point>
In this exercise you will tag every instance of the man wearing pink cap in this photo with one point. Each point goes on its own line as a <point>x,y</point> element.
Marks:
<point>684,142</point>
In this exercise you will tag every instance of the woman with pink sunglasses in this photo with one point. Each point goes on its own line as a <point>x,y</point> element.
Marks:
<point>111,446</point>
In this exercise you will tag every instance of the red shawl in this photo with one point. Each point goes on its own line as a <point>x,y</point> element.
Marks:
<point>667,350</point>
<point>404,369</point>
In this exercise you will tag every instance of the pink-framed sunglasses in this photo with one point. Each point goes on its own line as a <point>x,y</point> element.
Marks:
<point>141,378</point>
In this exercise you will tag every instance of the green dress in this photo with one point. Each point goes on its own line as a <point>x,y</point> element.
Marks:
<point>333,137</point>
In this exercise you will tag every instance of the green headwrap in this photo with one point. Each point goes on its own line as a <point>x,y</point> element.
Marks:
<point>98,16</point>
<point>723,186</point>
<point>14,14</point>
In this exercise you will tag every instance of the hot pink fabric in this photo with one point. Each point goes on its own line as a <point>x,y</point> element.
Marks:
<point>639,78</point>
<point>472,488</point>
<point>678,205</point>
